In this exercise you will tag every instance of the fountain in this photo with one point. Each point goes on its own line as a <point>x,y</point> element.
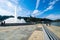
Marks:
<point>14,20</point>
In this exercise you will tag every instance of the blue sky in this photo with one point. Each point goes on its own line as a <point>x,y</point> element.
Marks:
<point>36,8</point>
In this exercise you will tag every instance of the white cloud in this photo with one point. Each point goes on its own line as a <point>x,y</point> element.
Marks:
<point>51,4</point>
<point>53,17</point>
<point>8,8</point>
<point>35,13</point>
<point>37,4</point>
<point>4,12</point>
<point>14,1</point>
<point>24,12</point>
<point>50,7</point>
<point>9,4</point>
<point>47,9</point>
<point>5,8</point>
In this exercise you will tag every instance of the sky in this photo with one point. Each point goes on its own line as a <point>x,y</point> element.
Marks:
<point>36,8</point>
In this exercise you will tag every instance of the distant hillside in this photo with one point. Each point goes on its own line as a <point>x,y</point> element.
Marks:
<point>33,19</point>
<point>4,17</point>
<point>57,20</point>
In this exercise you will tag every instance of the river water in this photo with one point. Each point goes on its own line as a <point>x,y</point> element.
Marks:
<point>55,23</point>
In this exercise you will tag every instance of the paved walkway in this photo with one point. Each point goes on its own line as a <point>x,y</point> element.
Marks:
<point>16,32</point>
<point>28,32</point>
<point>37,34</point>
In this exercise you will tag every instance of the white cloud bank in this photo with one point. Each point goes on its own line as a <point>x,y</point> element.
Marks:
<point>7,7</point>
<point>53,17</point>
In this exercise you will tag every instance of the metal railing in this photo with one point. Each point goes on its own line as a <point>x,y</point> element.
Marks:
<point>49,35</point>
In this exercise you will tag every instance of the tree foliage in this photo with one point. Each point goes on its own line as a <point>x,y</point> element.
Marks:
<point>2,18</point>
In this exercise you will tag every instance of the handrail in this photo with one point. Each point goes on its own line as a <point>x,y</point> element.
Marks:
<point>50,34</point>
